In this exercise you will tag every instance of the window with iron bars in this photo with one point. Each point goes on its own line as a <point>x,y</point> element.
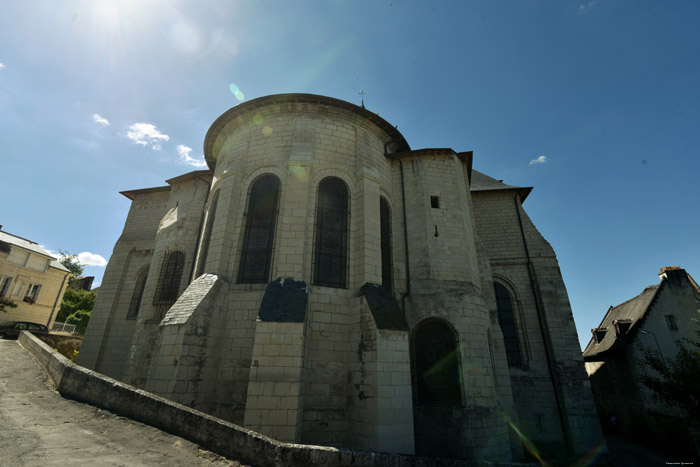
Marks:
<point>169,279</point>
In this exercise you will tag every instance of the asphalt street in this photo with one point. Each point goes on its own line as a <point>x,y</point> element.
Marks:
<point>38,427</point>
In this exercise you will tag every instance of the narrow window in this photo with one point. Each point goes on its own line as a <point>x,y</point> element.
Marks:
<point>385,228</point>
<point>137,295</point>
<point>435,356</point>
<point>206,238</point>
<point>5,286</point>
<point>256,253</point>
<point>331,245</point>
<point>671,322</point>
<point>506,319</point>
<point>169,278</point>
<point>435,202</point>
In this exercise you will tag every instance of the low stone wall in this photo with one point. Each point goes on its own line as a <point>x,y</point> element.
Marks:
<point>227,439</point>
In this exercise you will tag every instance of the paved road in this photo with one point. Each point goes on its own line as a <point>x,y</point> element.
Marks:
<point>38,427</point>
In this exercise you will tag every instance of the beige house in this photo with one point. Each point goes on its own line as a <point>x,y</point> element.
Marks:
<point>324,283</point>
<point>32,279</point>
<point>653,320</point>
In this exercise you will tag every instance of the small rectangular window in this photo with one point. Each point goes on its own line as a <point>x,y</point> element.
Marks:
<point>435,202</point>
<point>671,322</point>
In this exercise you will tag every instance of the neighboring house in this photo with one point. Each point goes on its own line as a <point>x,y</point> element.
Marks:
<point>323,283</point>
<point>653,320</point>
<point>31,278</point>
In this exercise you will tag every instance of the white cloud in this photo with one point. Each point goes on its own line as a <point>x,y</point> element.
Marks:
<point>2,65</point>
<point>91,259</point>
<point>539,160</point>
<point>146,134</point>
<point>184,153</point>
<point>100,120</point>
<point>85,258</point>
<point>583,8</point>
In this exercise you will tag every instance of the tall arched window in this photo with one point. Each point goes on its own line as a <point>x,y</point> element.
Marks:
<point>506,319</point>
<point>331,243</point>
<point>206,238</point>
<point>256,254</point>
<point>137,295</point>
<point>169,279</point>
<point>436,363</point>
<point>385,232</point>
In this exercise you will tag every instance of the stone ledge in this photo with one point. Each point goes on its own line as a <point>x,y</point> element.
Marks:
<point>75,382</point>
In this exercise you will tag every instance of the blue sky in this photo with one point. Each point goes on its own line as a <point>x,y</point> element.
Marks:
<point>102,96</point>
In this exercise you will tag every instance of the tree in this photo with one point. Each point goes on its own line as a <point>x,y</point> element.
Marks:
<point>71,263</point>
<point>76,307</point>
<point>676,379</point>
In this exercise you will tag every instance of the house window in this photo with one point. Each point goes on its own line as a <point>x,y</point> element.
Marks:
<point>331,244</point>
<point>436,364</point>
<point>385,232</point>
<point>169,279</point>
<point>32,293</point>
<point>435,202</point>
<point>506,320</point>
<point>671,322</point>
<point>5,286</point>
<point>206,238</point>
<point>259,236</point>
<point>137,295</point>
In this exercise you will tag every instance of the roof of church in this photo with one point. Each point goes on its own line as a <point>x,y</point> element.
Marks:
<point>482,182</point>
<point>233,112</point>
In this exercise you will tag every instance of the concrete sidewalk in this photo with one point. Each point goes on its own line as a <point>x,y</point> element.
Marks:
<point>38,427</point>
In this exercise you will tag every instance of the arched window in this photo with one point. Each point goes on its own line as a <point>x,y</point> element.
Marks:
<point>169,279</point>
<point>385,232</point>
<point>206,238</point>
<point>256,254</point>
<point>137,295</point>
<point>506,319</point>
<point>331,244</point>
<point>436,363</point>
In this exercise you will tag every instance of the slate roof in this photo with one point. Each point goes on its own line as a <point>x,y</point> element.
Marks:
<point>633,309</point>
<point>31,246</point>
<point>482,182</point>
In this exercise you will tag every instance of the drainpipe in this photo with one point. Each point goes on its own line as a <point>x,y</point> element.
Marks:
<point>545,337</point>
<point>55,303</point>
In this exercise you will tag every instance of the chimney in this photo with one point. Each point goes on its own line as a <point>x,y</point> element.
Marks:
<point>672,273</point>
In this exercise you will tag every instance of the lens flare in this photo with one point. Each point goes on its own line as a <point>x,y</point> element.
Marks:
<point>258,119</point>
<point>267,130</point>
<point>236,92</point>
<point>299,173</point>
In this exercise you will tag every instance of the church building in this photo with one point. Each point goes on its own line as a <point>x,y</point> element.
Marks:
<point>324,283</point>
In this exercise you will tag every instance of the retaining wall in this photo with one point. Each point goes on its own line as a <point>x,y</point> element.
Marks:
<point>78,383</point>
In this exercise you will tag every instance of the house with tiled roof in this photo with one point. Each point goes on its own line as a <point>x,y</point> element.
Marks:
<point>654,320</point>
<point>30,278</point>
